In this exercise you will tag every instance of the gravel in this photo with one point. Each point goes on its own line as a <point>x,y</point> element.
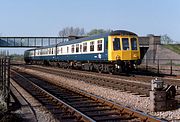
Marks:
<point>42,115</point>
<point>127,99</point>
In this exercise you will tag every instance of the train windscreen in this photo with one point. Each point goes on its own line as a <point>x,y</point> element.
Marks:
<point>125,43</point>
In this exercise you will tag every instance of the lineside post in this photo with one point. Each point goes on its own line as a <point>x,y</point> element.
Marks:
<point>171,67</point>
<point>8,82</point>
<point>158,66</point>
<point>4,78</point>
<point>146,64</point>
<point>1,75</point>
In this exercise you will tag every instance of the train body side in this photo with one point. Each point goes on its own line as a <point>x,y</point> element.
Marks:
<point>115,50</point>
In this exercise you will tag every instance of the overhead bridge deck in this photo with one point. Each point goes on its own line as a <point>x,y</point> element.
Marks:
<point>30,41</point>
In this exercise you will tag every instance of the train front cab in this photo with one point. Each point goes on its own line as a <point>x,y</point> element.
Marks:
<point>123,51</point>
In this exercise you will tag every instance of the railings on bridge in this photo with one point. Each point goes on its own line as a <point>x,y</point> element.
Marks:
<point>30,41</point>
<point>161,66</point>
<point>5,81</point>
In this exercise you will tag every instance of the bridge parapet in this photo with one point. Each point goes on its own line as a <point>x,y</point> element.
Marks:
<point>149,40</point>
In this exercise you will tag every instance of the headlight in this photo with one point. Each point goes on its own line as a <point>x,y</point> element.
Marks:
<point>118,57</point>
<point>134,55</point>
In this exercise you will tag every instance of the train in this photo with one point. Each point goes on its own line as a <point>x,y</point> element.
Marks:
<point>115,51</point>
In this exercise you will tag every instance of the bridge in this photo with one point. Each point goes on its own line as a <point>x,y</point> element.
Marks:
<point>30,41</point>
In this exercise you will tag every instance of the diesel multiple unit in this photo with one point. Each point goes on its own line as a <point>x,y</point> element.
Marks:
<point>116,51</point>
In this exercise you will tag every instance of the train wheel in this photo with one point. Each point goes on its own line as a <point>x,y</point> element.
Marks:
<point>100,68</point>
<point>91,68</point>
<point>110,70</point>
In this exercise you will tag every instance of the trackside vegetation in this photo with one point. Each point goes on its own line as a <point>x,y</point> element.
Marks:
<point>173,47</point>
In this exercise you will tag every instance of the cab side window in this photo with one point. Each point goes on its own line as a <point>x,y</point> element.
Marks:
<point>133,43</point>
<point>116,44</point>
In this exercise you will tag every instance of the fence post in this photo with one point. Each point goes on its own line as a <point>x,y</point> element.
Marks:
<point>158,66</point>
<point>4,78</point>
<point>1,80</point>
<point>8,82</point>
<point>146,64</point>
<point>0,72</point>
<point>171,67</point>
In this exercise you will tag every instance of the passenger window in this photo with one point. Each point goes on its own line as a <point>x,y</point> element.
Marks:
<point>92,46</point>
<point>133,43</point>
<point>125,43</point>
<point>99,45</point>
<point>42,52</point>
<point>72,48</point>
<point>46,51</point>
<point>58,50</point>
<point>52,50</point>
<point>116,44</point>
<point>67,49</point>
<point>85,47</point>
<point>49,51</point>
<point>77,48</point>
<point>80,47</point>
<point>61,50</point>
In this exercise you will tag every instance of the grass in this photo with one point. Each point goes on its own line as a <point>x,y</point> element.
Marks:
<point>173,47</point>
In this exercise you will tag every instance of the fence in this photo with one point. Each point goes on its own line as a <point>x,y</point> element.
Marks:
<point>161,66</point>
<point>5,80</point>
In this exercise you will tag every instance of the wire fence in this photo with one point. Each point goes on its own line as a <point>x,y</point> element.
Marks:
<point>161,66</point>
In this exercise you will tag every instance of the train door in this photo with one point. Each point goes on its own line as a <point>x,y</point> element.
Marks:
<point>126,48</point>
<point>114,48</point>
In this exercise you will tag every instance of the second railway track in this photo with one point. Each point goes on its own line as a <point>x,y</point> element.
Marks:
<point>101,80</point>
<point>70,104</point>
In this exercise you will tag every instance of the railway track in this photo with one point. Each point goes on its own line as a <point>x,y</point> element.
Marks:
<point>136,85</point>
<point>70,104</point>
<point>134,77</point>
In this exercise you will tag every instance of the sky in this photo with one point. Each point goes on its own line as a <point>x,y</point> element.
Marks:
<point>48,17</point>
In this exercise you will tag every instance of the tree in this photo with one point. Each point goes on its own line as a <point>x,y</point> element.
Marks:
<point>165,39</point>
<point>98,31</point>
<point>71,31</point>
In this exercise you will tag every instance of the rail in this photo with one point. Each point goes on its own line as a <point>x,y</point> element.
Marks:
<point>73,95</point>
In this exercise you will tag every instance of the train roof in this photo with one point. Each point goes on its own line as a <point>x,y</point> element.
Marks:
<point>112,33</point>
<point>117,32</point>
